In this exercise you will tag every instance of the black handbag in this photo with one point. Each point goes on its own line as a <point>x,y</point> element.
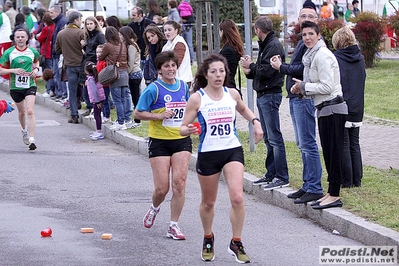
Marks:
<point>109,73</point>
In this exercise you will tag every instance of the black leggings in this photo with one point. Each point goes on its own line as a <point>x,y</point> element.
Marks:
<point>97,115</point>
<point>134,86</point>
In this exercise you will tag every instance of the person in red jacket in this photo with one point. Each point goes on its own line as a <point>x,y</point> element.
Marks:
<point>44,38</point>
<point>6,107</point>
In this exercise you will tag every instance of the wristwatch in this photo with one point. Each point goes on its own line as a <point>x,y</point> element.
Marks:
<point>35,68</point>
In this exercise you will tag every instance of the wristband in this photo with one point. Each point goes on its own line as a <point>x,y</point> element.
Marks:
<point>253,120</point>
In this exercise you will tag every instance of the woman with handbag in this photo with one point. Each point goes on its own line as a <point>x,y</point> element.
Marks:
<point>44,38</point>
<point>154,42</point>
<point>135,74</point>
<point>115,54</point>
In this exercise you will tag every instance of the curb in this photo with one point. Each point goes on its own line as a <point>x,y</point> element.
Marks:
<point>346,223</point>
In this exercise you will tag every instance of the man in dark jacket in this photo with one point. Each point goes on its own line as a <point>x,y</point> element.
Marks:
<point>60,21</point>
<point>68,43</point>
<point>138,25</point>
<point>267,84</point>
<point>302,111</point>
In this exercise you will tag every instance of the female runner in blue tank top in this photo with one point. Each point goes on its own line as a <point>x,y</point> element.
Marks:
<point>219,149</point>
<point>163,103</point>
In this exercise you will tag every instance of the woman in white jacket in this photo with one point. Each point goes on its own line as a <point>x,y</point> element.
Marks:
<point>177,44</point>
<point>322,83</point>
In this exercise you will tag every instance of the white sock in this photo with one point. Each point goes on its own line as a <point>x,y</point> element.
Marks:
<point>156,209</point>
<point>172,223</point>
<point>31,139</point>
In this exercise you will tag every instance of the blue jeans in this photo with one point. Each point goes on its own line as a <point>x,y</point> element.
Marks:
<point>188,37</point>
<point>128,105</point>
<point>59,86</point>
<point>106,105</point>
<point>86,98</point>
<point>303,118</point>
<point>73,80</point>
<point>276,160</point>
<point>49,84</point>
<point>118,95</point>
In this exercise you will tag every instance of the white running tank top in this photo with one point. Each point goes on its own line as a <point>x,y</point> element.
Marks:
<point>217,119</point>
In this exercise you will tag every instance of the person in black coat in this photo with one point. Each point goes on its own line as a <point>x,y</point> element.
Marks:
<point>138,25</point>
<point>353,77</point>
<point>232,50</point>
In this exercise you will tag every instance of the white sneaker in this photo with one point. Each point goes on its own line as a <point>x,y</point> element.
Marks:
<point>25,136</point>
<point>46,95</point>
<point>132,124</point>
<point>32,145</point>
<point>96,136</point>
<point>116,126</point>
<point>106,120</point>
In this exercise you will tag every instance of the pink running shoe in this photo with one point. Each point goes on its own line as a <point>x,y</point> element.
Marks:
<point>149,218</point>
<point>175,232</point>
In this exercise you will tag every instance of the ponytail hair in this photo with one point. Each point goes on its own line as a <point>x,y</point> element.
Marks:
<point>91,68</point>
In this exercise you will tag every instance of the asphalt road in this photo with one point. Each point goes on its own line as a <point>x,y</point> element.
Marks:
<point>71,182</point>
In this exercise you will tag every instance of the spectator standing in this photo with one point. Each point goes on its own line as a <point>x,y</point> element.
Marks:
<point>217,153</point>
<point>336,9</point>
<point>44,38</point>
<point>134,71</point>
<point>22,63</point>
<point>5,32</point>
<point>267,84</point>
<point>97,97</point>
<point>356,9</point>
<point>114,22</point>
<point>153,9</point>
<point>187,20</point>
<point>39,13</point>
<point>11,13</point>
<point>68,43</point>
<point>173,13</point>
<point>302,111</point>
<point>138,25</point>
<point>92,38</point>
<point>101,64</point>
<point>177,44</point>
<point>232,50</point>
<point>158,20</point>
<point>59,21</point>
<point>154,42</point>
<point>169,152</point>
<point>326,11</point>
<point>321,80</point>
<point>353,77</point>
<point>30,19</point>
<point>114,49</point>
<point>102,23</point>
<point>349,14</point>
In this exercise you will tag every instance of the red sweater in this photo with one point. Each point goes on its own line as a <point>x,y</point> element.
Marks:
<point>45,40</point>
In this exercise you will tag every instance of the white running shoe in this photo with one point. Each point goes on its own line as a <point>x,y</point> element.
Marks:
<point>32,145</point>
<point>116,126</point>
<point>25,136</point>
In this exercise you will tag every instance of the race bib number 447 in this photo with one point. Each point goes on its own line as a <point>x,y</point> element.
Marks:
<point>22,81</point>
